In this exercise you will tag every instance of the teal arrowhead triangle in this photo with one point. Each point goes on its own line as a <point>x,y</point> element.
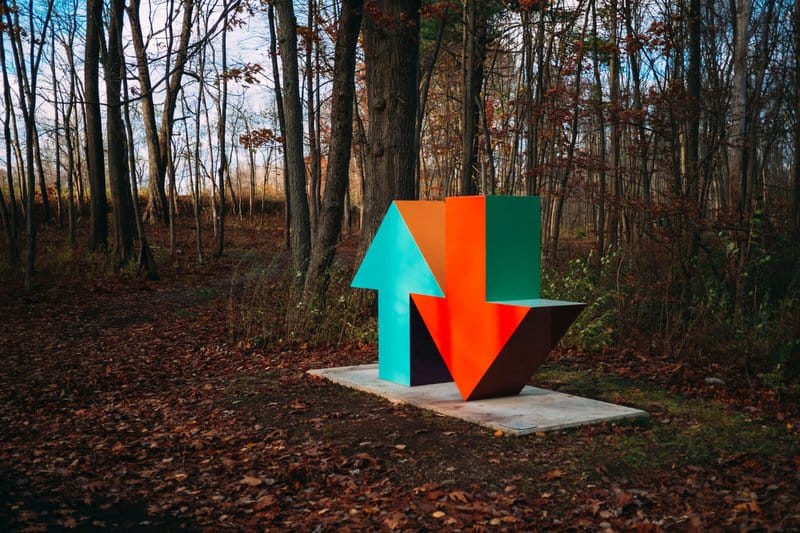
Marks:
<point>396,268</point>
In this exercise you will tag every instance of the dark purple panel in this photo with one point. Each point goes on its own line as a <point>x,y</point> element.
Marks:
<point>427,365</point>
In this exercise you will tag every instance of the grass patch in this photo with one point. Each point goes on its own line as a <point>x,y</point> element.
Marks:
<point>681,431</point>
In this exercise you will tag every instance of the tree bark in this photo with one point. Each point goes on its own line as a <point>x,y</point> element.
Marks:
<point>71,151</point>
<point>313,153</point>
<point>601,126</point>
<point>145,261</point>
<point>98,204</point>
<point>615,106</point>
<point>115,134</point>
<point>738,157</point>
<point>294,167</point>
<point>57,135</point>
<point>391,50</point>
<point>157,204</point>
<point>222,159</point>
<point>796,131</point>
<point>474,38</point>
<point>12,221</point>
<point>273,53</point>
<point>424,90</point>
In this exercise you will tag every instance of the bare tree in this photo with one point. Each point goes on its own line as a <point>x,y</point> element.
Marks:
<point>116,135</point>
<point>27,77</point>
<point>796,130</point>
<point>273,54</point>
<point>222,158</point>
<point>738,157</point>
<point>11,215</point>
<point>336,176</point>
<point>159,139</point>
<point>294,168</point>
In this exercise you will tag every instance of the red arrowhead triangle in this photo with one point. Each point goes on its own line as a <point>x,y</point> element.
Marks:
<point>469,332</point>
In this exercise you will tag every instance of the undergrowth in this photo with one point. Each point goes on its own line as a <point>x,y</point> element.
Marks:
<point>698,309</point>
<point>263,307</point>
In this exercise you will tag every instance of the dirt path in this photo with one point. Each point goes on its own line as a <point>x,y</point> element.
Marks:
<point>131,407</point>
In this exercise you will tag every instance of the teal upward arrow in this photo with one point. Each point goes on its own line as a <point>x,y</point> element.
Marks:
<point>395,266</point>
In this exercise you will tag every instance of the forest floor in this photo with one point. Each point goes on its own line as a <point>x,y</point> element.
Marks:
<point>127,403</point>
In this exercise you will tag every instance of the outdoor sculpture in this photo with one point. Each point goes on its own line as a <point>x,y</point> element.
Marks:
<point>459,286</point>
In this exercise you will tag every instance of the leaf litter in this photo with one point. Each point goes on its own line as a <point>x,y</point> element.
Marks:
<point>129,405</point>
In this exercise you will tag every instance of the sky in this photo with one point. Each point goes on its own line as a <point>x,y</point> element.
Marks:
<point>248,42</point>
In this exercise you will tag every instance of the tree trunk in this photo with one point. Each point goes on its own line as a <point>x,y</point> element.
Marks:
<point>738,157</point>
<point>562,191</point>
<point>294,168</point>
<point>159,140</point>
<point>98,204</point>
<point>313,154</point>
<point>391,51</point>
<point>222,160</point>
<point>115,133</point>
<point>273,53</point>
<point>196,190</point>
<point>12,222</point>
<point>796,130</point>
<point>157,204</point>
<point>71,216</point>
<point>57,135</point>
<point>693,87</point>
<point>424,90</point>
<point>15,144</point>
<point>175,84</point>
<point>145,262</point>
<point>27,99</point>
<point>336,176</point>
<point>615,106</point>
<point>473,51</point>
<point>601,126</point>
<point>638,106</point>
<point>46,211</point>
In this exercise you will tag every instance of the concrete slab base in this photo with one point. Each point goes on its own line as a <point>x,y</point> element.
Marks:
<point>532,411</point>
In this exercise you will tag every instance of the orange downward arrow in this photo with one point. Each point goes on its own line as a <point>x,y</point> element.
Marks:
<point>468,331</point>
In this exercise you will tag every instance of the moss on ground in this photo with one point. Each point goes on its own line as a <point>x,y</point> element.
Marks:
<point>680,430</point>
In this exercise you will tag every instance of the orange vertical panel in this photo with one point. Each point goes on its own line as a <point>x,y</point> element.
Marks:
<point>426,222</point>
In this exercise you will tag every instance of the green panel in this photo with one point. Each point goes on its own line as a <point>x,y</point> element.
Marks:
<point>513,248</point>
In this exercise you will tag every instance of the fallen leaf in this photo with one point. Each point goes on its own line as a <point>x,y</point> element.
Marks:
<point>750,507</point>
<point>554,474</point>
<point>623,499</point>
<point>459,495</point>
<point>437,514</point>
<point>394,521</point>
<point>251,481</point>
<point>264,502</point>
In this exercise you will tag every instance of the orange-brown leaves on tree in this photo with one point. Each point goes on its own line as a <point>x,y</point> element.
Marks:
<point>257,138</point>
